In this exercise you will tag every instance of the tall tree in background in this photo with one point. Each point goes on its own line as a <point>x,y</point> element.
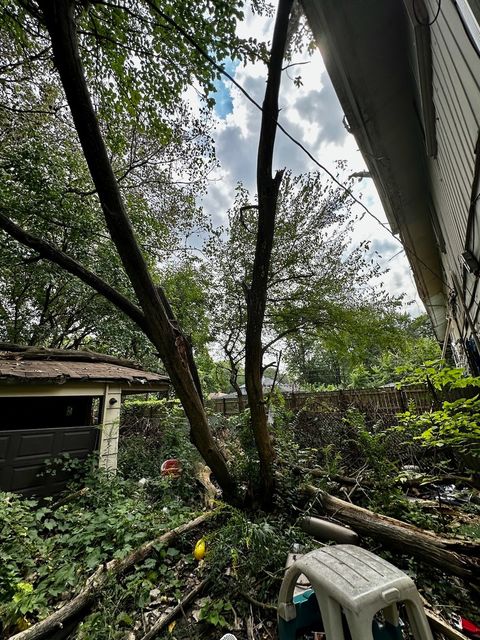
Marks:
<point>317,280</point>
<point>127,78</point>
<point>114,79</point>
<point>365,350</point>
<point>45,182</point>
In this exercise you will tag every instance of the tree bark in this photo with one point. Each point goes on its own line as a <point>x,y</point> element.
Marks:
<point>60,22</point>
<point>459,557</point>
<point>234,381</point>
<point>94,584</point>
<point>52,254</point>
<point>179,608</point>
<point>256,296</point>
<point>415,482</point>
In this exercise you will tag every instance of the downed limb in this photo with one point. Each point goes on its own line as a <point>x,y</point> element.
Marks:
<point>85,597</point>
<point>459,557</point>
<point>69,497</point>
<point>168,617</point>
<point>418,480</point>
<point>437,623</point>
<point>257,603</point>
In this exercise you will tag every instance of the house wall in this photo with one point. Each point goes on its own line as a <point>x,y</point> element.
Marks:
<point>453,170</point>
<point>407,73</point>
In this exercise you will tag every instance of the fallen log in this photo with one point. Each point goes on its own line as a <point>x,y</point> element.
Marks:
<point>95,582</point>
<point>418,480</point>
<point>437,623</point>
<point>171,615</point>
<point>459,557</point>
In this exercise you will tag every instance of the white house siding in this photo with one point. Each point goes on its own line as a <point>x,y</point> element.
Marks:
<point>456,96</point>
<point>409,83</point>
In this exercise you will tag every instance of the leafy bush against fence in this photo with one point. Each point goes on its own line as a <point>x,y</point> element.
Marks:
<point>453,423</point>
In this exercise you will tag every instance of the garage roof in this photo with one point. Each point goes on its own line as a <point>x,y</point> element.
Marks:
<point>27,365</point>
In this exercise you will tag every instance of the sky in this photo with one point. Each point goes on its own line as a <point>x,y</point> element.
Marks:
<point>313,115</point>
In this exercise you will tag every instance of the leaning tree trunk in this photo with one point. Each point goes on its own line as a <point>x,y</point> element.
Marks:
<point>169,341</point>
<point>256,295</point>
<point>456,556</point>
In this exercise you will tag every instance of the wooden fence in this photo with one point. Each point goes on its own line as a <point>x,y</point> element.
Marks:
<point>387,400</point>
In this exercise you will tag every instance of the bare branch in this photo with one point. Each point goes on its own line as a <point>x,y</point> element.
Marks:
<point>295,64</point>
<point>242,219</point>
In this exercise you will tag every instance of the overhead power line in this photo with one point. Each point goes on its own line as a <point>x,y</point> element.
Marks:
<point>321,166</point>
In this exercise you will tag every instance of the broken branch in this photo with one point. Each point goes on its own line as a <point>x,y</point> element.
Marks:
<point>168,617</point>
<point>85,597</point>
<point>459,557</point>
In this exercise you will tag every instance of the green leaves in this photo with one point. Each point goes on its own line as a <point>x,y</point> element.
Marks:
<point>44,558</point>
<point>215,611</point>
<point>456,423</point>
<point>317,279</point>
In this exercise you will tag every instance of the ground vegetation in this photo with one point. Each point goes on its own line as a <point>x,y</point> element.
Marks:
<point>50,548</point>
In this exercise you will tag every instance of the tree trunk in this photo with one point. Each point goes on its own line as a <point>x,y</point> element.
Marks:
<point>238,391</point>
<point>459,557</point>
<point>171,346</point>
<point>234,382</point>
<point>256,296</point>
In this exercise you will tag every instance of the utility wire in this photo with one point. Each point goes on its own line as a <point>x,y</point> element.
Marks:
<point>323,168</point>
<point>433,20</point>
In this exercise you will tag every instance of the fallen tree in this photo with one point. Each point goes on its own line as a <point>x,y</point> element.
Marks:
<point>179,608</point>
<point>459,557</point>
<point>417,480</point>
<point>45,628</point>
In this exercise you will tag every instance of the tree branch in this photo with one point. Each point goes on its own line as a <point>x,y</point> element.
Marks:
<point>50,252</point>
<point>280,336</point>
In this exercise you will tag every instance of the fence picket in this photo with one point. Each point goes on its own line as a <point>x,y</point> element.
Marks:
<point>388,400</point>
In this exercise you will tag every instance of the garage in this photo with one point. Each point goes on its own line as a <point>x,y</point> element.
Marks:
<point>56,403</point>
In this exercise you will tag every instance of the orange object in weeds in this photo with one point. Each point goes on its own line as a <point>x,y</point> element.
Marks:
<point>171,468</point>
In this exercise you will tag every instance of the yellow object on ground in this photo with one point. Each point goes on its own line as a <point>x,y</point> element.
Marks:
<point>200,550</point>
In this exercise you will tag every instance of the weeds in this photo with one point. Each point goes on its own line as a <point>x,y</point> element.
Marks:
<point>50,548</point>
<point>48,552</point>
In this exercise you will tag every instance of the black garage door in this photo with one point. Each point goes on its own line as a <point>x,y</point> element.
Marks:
<point>23,453</point>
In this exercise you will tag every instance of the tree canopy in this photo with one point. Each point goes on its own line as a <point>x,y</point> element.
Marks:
<point>105,146</point>
<point>319,282</point>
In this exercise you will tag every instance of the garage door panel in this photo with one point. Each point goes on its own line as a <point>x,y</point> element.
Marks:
<point>4,441</point>
<point>80,440</point>
<point>24,453</point>
<point>27,476</point>
<point>33,444</point>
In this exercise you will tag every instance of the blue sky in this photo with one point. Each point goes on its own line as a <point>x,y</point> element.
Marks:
<point>313,115</point>
<point>222,96</point>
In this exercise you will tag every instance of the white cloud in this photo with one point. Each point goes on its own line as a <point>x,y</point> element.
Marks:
<point>312,114</point>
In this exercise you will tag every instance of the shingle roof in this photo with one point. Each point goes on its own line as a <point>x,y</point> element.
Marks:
<point>26,365</point>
